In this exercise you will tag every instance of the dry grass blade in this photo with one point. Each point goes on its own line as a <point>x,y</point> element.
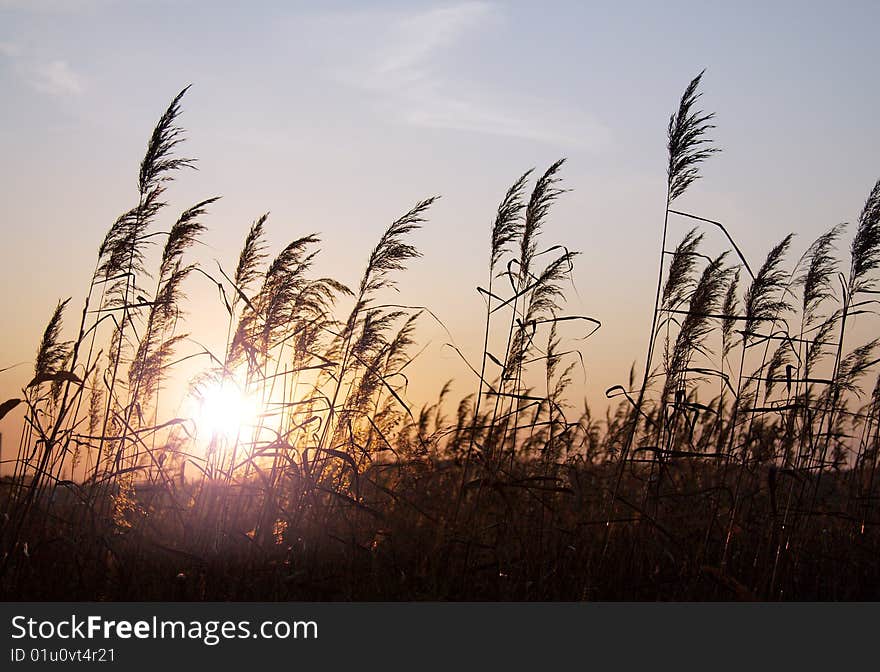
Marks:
<point>8,406</point>
<point>54,377</point>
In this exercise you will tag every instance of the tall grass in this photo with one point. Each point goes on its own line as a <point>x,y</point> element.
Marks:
<point>739,463</point>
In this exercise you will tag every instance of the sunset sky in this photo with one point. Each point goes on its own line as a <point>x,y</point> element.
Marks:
<point>337,118</point>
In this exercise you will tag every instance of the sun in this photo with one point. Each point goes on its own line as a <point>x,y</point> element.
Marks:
<point>223,411</point>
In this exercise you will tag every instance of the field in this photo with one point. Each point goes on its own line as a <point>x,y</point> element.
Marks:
<point>738,463</point>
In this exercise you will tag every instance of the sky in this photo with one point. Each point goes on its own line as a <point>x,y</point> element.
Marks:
<point>337,117</point>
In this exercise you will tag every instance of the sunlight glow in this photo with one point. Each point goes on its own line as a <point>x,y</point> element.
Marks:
<point>223,410</point>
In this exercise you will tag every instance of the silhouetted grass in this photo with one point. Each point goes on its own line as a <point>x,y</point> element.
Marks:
<point>742,466</point>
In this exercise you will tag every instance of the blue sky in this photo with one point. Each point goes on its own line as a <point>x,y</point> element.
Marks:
<point>337,117</point>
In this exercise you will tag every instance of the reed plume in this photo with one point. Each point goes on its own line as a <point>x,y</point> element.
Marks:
<point>52,352</point>
<point>699,321</point>
<point>159,164</point>
<point>679,278</point>
<point>729,314</point>
<point>816,278</point>
<point>391,252</point>
<point>865,248</point>
<point>508,226</point>
<point>766,296</point>
<point>543,195</point>
<point>687,142</point>
<point>251,256</point>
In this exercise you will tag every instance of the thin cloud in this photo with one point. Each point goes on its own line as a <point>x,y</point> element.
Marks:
<point>56,78</point>
<point>416,37</point>
<point>53,77</point>
<point>403,74</point>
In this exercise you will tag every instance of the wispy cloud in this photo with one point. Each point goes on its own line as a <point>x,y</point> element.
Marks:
<point>53,77</point>
<point>56,78</point>
<point>403,73</point>
<point>415,38</point>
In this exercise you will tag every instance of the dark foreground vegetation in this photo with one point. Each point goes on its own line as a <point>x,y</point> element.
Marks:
<point>739,464</point>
